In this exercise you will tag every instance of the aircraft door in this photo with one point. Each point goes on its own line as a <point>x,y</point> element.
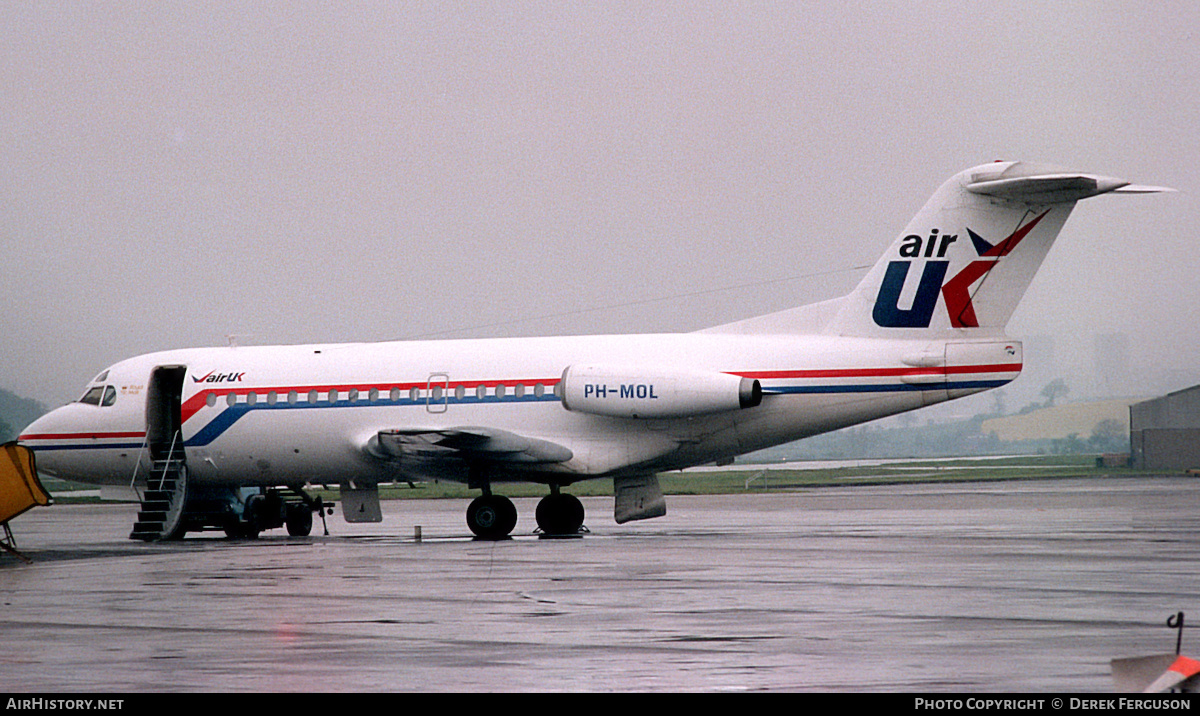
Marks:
<point>164,398</point>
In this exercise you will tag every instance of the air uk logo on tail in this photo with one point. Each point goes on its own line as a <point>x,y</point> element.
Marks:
<point>956,290</point>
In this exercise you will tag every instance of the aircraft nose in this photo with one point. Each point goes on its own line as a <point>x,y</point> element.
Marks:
<point>50,424</point>
<point>47,437</point>
<point>37,427</point>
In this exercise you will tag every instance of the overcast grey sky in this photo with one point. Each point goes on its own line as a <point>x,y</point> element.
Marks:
<point>173,173</point>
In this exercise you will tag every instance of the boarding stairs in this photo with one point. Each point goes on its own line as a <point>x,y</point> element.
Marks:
<point>161,513</point>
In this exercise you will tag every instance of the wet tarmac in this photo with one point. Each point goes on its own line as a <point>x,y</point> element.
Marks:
<point>1015,586</point>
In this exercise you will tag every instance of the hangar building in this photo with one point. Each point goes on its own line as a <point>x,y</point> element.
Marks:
<point>1164,433</point>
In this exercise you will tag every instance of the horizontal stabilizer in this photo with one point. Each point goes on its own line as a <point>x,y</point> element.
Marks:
<point>1040,184</point>
<point>1143,189</point>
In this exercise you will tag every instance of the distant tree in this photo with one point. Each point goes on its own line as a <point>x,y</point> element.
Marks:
<point>1055,389</point>
<point>1070,445</point>
<point>1109,435</point>
<point>6,432</point>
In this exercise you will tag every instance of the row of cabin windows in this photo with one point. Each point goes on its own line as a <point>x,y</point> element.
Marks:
<point>435,393</point>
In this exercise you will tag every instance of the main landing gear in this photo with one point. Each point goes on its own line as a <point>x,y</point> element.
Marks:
<point>559,514</point>
<point>493,517</point>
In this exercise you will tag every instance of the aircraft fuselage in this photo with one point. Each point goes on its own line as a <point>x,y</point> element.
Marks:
<point>295,415</point>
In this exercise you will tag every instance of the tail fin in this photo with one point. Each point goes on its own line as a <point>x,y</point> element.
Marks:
<point>966,258</point>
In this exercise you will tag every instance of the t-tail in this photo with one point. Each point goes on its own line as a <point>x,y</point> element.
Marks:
<point>962,264</point>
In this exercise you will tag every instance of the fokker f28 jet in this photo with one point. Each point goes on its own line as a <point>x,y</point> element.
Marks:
<point>230,438</point>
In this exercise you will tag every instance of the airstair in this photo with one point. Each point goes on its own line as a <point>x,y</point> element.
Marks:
<point>161,514</point>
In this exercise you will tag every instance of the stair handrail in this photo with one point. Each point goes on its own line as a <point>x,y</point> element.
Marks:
<point>170,457</point>
<point>137,466</point>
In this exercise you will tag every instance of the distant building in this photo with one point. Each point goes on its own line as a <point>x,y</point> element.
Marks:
<point>1164,433</point>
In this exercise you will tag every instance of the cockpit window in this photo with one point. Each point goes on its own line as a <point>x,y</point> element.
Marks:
<point>101,378</point>
<point>102,395</point>
<point>93,395</point>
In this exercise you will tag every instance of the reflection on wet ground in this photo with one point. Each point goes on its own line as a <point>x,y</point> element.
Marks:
<point>1015,586</point>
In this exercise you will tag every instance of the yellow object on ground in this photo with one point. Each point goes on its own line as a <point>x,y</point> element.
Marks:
<point>20,489</point>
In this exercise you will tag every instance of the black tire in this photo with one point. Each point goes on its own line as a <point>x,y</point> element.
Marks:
<point>252,513</point>
<point>560,514</point>
<point>509,513</point>
<point>491,517</point>
<point>299,520</point>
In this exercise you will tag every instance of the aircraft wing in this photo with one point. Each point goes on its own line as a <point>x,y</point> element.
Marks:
<point>478,444</point>
<point>1155,674</point>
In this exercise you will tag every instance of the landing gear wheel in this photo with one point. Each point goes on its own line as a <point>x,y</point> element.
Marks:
<point>491,517</point>
<point>299,520</point>
<point>560,514</point>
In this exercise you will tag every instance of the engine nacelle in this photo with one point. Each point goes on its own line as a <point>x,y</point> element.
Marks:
<point>654,393</point>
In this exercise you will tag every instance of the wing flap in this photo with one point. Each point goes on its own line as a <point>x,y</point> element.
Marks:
<point>471,443</point>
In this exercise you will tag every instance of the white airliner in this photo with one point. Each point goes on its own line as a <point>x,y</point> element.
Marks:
<point>229,438</point>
